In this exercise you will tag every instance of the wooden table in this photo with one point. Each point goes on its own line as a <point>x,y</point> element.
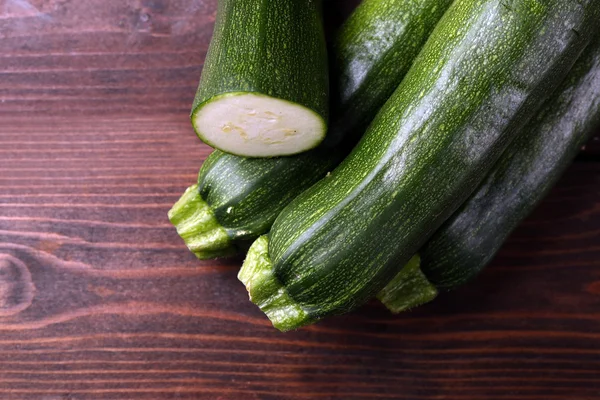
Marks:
<point>99,298</point>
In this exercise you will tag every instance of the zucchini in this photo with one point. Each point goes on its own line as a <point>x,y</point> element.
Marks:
<point>408,289</point>
<point>532,164</point>
<point>374,49</point>
<point>237,199</point>
<point>264,87</point>
<point>483,73</point>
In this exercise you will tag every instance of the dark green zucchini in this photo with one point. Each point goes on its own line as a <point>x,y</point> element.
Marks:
<point>531,165</point>
<point>483,73</point>
<point>373,51</point>
<point>264,86</point>
<point>243,196</point>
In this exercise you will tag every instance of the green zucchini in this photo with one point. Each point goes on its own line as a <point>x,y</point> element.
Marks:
<point>531,165</point>
<point>483,73</point>
<point>237,199</point>
<point>408,289</point>
<point>264,86</point>
<point>373,51</point>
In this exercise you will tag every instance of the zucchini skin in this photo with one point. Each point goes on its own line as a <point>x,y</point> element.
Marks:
<point>483,73</point>
<point>373,51</point>
<point>257,190</point>
<point>273,47</point>
<point>247,194</point>
<point>528,169</point>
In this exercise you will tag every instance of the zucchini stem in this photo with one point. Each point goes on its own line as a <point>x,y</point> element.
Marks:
<point>198,227</point>
<point>409,288</point>
<point>267,292</point>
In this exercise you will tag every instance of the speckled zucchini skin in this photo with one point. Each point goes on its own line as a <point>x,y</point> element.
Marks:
<point>247,194</point>
<point>531,165</point>
<point>273,47</point>
<point>373,50</point>
<point>483,73</point>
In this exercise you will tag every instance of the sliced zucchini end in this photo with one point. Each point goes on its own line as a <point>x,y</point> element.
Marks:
<point>409,288</point>
<point>267,292</point>
<point>198,227</point>
<point>255,125</point>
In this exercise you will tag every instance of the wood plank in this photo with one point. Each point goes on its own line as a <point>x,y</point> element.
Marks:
<point>102,300</point>
<point>99,298</point>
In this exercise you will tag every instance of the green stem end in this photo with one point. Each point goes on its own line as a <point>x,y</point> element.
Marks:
<point>409,289</point>
<point>196,224</point>
<point>267,292</point>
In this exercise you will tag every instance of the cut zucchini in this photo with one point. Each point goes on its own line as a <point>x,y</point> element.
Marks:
<point>264,88</point>
<point>258,125</point>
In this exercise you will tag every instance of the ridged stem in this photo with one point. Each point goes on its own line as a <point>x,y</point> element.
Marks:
<point>409,288</point>
<point>196,224</point>
<point>267,292</point>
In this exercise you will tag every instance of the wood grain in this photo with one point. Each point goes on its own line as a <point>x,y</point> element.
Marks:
<point>99,298</point>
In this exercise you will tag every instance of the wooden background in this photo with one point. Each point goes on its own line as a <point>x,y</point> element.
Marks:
<point>99,298</point>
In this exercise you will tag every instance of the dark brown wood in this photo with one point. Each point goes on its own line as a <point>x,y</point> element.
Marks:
<point>99,298</point>
<point>592,149</point>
